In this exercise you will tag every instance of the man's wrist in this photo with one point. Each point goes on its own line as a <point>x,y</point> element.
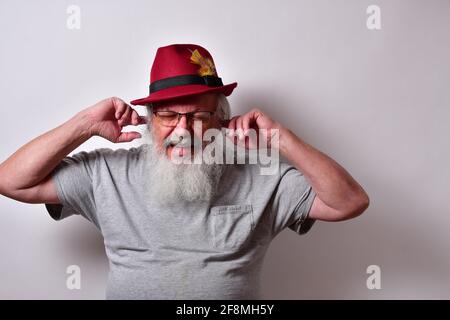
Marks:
<point>83,124</point>
<point>285,135</point>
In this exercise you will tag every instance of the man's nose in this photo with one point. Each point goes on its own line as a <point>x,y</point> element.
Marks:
<point>183,122</point>
<point>182,127</point>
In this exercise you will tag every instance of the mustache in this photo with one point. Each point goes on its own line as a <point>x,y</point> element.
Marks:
<point>182,141</point>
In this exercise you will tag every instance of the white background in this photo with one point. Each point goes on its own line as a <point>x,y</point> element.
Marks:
<point>375,101</point>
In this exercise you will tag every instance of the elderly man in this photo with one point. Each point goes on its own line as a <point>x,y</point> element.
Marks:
<point>181,230</point>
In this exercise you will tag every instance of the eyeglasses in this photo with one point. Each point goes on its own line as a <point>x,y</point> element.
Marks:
<point>171,118</point>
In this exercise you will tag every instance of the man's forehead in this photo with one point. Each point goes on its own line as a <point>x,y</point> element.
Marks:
<point>204,100</point>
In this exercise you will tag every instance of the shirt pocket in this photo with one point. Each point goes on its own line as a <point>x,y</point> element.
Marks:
<point>232,226</point>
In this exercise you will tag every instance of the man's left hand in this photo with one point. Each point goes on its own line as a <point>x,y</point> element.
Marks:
<point>266,129</point>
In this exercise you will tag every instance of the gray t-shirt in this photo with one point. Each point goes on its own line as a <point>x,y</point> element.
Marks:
<point>190,251</point>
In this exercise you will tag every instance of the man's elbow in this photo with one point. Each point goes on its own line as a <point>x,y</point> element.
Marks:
<point>357,206</point>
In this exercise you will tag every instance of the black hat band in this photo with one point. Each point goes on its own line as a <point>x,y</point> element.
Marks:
<point>210,81</point>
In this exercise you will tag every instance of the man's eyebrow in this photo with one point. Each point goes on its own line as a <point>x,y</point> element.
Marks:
<point>195,108</point>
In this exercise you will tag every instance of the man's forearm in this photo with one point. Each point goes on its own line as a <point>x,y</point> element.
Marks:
<point>30,164</point>
<point>331,182</point>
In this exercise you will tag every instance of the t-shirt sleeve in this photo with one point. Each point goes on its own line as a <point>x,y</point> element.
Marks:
<point>73,178</point>
<point>292,201</point>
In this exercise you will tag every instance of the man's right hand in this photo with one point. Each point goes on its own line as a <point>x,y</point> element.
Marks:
<point>108,117</point>
<point>26,175</point>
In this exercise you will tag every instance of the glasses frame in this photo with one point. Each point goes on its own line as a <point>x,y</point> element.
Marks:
<point>189,116</point>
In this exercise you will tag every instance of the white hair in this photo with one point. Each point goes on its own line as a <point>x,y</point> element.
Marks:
<point>223,107</point>
<point>169,183</point>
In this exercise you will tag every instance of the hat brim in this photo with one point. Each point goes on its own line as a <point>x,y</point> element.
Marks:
<point>184,91</point>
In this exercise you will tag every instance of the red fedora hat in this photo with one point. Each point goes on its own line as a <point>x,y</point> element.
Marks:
<point>183,70</point>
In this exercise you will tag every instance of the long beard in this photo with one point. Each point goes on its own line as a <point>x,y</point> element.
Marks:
<point>170,183</point>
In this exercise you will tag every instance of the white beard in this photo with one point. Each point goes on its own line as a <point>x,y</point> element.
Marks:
<point>170,183</point>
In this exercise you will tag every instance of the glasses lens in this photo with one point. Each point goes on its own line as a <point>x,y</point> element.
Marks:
<point>170,118</point>
<point>202,116</point>
<point>167,118</point>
